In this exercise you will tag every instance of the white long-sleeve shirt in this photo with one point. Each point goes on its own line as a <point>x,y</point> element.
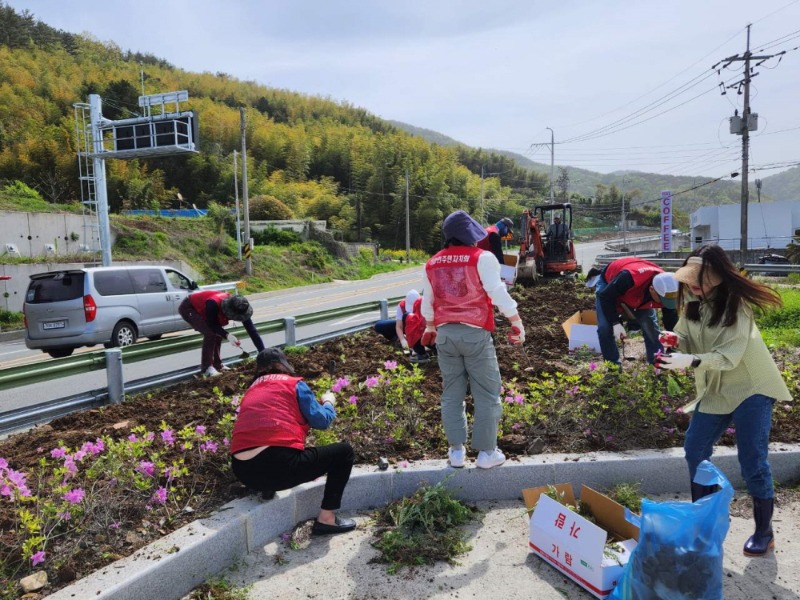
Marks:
<point>489,273</point>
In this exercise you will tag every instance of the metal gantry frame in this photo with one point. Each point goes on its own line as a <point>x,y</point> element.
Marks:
<point>84,142</point>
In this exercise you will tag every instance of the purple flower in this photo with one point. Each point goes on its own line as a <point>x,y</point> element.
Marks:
<point>286,536</point>
<point>516,426</point>
<point>226,442</point>
<point>592,366</point>
<point>3,463</point>
<point>149,436</point>
<point>168,437</point>
<point>38,558</point>
<point>132,438</point>
<point>59,452</point>
<point>353,400</point>
<point>210,446</point>
<point>403,464</point>
<point>609,438</point>
<point>200,430</point>
<point>160,497</point>
<point>94,448</point>
<point>74,496</point>
<point>371,382</point>
<point>519,399</point>
<point>391,365</point>
<point>66,515</point>
<point>730,431</point>
<point>168,473</point>
<point>145,467</point>
<point>114,525</point>
<point>342,382</point>
<point>509,399</point>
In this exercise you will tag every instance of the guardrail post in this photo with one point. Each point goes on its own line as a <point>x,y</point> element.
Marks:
<point>288,325</point>
<point>116,384</point>
<point>384,309</point>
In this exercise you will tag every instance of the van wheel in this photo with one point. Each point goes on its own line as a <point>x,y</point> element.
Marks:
<point>124,334</point>
<point>60,353</point>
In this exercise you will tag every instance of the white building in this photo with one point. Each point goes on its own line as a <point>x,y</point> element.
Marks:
<point>769,225</point>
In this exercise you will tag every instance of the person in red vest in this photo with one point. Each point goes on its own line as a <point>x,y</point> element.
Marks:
<point>632,288</point>
<point>208,311</point>
<point>268,443</point>
<point>460,288</point>
<point>493,242</point>
<point>407,327</point>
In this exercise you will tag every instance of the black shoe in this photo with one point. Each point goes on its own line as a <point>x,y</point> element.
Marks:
<point>342,526</point>
<point>267,494</point>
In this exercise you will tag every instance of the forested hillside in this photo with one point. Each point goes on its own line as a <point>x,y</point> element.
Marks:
<point>308,157</point>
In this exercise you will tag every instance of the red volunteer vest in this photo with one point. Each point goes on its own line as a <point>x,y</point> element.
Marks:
<point>642,271</point>
<point>270,416</point>
<point>415,324</point>
<point>198,301</point>
<point>458,294</point>
<point>484,243</point>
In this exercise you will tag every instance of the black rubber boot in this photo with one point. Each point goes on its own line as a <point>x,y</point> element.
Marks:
<point>701,491</point>
<point>762,540</point>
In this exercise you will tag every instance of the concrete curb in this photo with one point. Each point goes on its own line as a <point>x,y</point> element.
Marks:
<point>172,566</point>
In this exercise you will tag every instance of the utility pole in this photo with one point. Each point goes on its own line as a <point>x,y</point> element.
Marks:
<point>758,189</point>
<point>481,219</point>
<point>743,126</point>
<point>408,225</point>
<point>552,162</point>
<point>245,202</point>
<point>236,192</point>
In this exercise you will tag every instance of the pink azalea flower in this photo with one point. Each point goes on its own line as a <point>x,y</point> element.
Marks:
<point>353,400</point>
<point>74,496</point>
<point>149,436</point>
<point>226,442</point>
<point>210,446</point>
<point>3,463</point>
<point>168,437</point>
<point>200,430</point>
<point>66,515</point>
<point>592,366</point>
<point>371,382</point>
<point>132,438</point>
<point>391,365</point>
<point>730,431</point>
<point>145,467</point>
<point>114,525</point>
<point>38,558</point>
<point>403,464</point>
<point>160,496</point>
<point>60,452</point>
<point>342,382</point>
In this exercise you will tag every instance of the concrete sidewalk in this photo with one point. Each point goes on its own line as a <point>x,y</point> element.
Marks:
<point>245,534</point>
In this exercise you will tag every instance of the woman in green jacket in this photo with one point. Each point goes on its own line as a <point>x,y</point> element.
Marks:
<point>735,376</point>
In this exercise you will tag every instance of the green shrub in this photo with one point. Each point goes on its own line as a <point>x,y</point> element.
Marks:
<point>276,237</point>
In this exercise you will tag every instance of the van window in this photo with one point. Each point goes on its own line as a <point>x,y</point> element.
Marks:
<point>148,281</point>
<point>112,283</point>
<point>55,287</point>
<point>178,280</point>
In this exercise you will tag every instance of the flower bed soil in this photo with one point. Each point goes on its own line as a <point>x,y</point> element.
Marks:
<point>544,358</point>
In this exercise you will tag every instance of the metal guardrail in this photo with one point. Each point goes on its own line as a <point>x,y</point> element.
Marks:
<point>675,263</point>
<point>23,375</point>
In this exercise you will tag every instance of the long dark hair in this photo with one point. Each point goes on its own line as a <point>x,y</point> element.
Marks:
<point>731,291</point>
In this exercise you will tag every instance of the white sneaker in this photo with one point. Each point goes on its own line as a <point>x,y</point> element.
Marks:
<point>211,372</point>
<point>456,457</point>
<point>225,368</point>
<point>487,461</point>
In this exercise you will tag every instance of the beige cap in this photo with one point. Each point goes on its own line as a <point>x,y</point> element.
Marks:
<point>690,273</point>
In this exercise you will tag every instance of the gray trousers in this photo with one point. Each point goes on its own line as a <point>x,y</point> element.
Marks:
<point>467,359</point>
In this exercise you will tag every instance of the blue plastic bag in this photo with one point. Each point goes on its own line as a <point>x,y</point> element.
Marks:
<point>679,555</point>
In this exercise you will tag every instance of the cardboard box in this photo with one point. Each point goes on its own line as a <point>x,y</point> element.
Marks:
<point>576,546</point>
<point>508,271</point>
<point>581,330</point>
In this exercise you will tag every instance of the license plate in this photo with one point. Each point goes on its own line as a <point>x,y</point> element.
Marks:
<point>54,325</point>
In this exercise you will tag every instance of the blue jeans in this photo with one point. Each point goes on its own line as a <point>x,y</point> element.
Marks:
<point>647,319</point>
<point>753,420</point>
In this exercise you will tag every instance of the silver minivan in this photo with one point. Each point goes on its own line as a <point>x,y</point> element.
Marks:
<point>113,306</point>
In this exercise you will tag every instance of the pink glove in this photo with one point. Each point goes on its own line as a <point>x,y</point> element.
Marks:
<point>429,337</point>
<point>668,339</point>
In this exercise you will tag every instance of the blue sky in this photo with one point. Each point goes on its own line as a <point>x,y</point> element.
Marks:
<point>497,74</point>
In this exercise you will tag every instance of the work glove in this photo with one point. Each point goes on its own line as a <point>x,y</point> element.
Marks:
<point>329,397</point>
<point>516,337</point>
<point>234,341</point>
<point>404,343</point>
<point>668,339</point>
<point>429,337</point>
<point>619,332</point>
<point>676,360</point>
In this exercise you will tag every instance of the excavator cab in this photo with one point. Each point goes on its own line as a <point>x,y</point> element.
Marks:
<point>546,247</point>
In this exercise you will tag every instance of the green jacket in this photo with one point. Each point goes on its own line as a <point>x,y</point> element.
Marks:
<point>735,362</point>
